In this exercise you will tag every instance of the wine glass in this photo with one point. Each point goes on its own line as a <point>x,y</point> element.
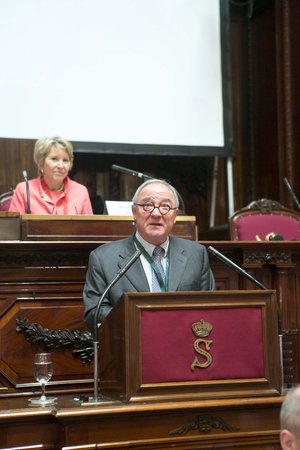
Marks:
<point>43,370</point>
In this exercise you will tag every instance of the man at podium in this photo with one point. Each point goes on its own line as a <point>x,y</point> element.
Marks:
<point>166,263</point>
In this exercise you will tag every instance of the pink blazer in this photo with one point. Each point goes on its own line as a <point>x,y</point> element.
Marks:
<point>73,200</point>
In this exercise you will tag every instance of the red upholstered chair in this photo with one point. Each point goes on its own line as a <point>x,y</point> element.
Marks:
<point>5,200</point>
<point>265,219</point>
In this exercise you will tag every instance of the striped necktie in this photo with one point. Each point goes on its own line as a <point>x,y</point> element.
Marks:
<point>157,255</point>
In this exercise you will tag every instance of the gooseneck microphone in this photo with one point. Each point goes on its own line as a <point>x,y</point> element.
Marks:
<point>121,272</point>
<point>289,187</point>
<point>131,172</point>
<point>146,177</point>
<point>245,274</point>
<point>250,277</point>
<point>25,176</point>
<point>235,266</point>
<point>124,269</point>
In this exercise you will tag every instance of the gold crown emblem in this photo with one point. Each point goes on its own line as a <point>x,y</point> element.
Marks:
<point>202,329</point>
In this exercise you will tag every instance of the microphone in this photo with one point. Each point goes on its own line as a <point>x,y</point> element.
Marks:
<point>289,187</point>
<point>25,176</point>
<point>235,266</point>
<point>246,274</point>
<point>131,172</point>
<point>146,177</point>
<point>124,269</point>
<point>250,277</point>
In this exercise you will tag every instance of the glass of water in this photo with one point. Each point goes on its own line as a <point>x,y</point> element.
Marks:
<point>43,371</point>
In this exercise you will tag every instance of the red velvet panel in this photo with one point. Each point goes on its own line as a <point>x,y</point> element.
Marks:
<point>262,224</point>
<point>168,345</point>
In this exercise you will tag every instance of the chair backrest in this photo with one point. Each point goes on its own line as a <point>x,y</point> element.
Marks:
<point>5,200</point>
<point>265,219</point>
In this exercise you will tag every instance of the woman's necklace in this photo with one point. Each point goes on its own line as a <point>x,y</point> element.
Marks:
<point>60,189</point>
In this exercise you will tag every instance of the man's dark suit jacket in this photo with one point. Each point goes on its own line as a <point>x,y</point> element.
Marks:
<point>189,270</point>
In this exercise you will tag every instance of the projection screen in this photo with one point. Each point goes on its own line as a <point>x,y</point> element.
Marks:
<point>117,76</point>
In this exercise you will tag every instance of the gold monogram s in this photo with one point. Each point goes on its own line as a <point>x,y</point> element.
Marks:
<point>204,353</point>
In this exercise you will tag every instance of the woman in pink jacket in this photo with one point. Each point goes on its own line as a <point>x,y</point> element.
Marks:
<point>53,192</point>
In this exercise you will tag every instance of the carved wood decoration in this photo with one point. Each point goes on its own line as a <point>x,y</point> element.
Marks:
<point>265,205</point>
<point>36,317</point>
<point>260,258</point>
<point>79,342</point>
<point>205,424</point>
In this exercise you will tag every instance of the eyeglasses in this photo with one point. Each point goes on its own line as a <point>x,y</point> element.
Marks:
<point>149,208</point>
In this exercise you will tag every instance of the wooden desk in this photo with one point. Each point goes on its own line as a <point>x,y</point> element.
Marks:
<point>99,228</point>
<point>223,424</point>
<point>9,225</point>
<point>43,282</point>
<point>14,226</point>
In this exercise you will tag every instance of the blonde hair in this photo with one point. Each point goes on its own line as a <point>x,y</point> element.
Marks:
<point>43,147</point>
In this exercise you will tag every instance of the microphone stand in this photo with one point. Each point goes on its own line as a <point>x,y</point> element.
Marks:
<point>235,266</point>
<point>289,187</point>
<point>25,176</point>
<point>230,263</point>
<point>96,399</point>
<point>144,178</point>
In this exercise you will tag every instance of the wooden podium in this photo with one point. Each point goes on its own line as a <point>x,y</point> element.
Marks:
<point>191,345</point>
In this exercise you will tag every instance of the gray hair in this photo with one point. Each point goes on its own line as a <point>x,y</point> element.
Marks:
<point>290,412</point>
<point>156,180</point>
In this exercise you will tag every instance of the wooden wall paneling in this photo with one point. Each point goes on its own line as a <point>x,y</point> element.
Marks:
<point>243,158</point>
<point>288,68</point>
<point>16,155</point>
<point>270,110</point>
<point>225,278</point>
<point>264,106</point>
